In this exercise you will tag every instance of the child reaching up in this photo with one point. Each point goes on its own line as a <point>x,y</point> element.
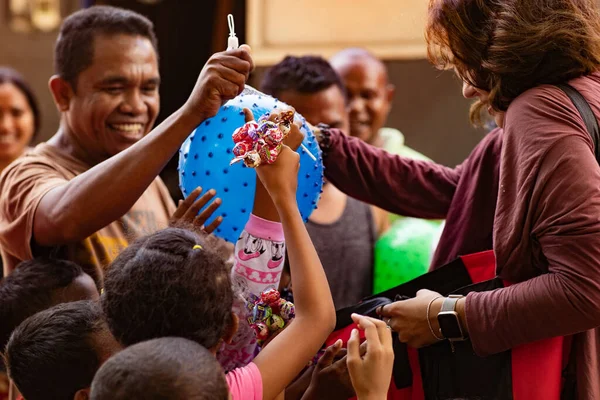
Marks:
<point>259,262</point>
<point>171,283</point>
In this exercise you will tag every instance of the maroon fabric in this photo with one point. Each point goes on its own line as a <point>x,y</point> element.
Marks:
<point>465,196</point>
<point>545,220</point>
<point>535,367</point>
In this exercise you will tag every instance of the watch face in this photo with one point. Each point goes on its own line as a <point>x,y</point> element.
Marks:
<point>450,325</point>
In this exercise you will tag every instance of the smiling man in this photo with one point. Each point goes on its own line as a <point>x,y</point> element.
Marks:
<point>370,94</point>
<point>93,186</point>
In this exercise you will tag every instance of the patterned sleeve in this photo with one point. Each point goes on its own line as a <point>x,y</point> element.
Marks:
<point>259,258</point>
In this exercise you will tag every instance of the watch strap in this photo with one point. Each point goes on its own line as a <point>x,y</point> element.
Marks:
<point>449,303</point>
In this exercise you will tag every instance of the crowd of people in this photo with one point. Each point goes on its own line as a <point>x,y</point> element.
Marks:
<point>113,291</point>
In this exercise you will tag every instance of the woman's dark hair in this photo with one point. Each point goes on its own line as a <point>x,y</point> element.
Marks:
<point>9,75</point>
<point>506,47</point>
<point>162,286</point>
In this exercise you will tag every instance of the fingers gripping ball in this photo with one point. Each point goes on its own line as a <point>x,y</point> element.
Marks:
<point>205,156</point>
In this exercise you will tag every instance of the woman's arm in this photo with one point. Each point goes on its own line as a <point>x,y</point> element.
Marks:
<point>566,226</point>
<point>563,301</point>
<point>396,184</point>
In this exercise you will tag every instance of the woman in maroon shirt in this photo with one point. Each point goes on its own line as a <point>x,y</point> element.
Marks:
<point>530,190</point>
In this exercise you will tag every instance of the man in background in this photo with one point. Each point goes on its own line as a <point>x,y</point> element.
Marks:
<point>343,230</point>
<point>370,95</point>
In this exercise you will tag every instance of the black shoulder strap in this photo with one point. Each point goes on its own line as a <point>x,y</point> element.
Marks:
<point>586,113</point>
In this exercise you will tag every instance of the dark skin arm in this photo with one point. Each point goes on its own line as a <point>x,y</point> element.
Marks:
<point>94,199</point>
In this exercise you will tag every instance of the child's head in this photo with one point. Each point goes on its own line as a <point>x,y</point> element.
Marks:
<point>170,283</point>
<point>165,368</point>
<point>37,285</point>
<point>55,353</point>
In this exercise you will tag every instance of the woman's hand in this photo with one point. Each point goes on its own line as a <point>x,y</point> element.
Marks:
<point>371,374</point>
<point>409,318</point>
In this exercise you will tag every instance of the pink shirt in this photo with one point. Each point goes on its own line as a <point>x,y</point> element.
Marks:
<point>245,383</point>
<point>259,257</point>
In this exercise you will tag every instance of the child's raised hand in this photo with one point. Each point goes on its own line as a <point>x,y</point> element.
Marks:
<point>330,378</point>
<point>281,178</point>
<point>188,211</point>
<point>372,373</point>
<point>294,138</point>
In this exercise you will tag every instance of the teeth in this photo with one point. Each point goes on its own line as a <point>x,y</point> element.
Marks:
<point>127,127</point>
<point>6,139</point>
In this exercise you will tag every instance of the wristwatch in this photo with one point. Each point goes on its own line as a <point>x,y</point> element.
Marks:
<point>450,326</point>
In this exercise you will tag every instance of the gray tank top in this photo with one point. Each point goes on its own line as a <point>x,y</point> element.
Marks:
<point>345,248</point>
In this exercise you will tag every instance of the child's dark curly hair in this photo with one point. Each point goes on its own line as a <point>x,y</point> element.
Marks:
<point>162,286</point>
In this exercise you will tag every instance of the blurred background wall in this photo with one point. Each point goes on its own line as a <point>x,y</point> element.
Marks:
<point>428,107</point>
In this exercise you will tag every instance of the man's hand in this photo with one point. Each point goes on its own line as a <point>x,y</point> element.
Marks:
<point>187,211</point>
<point>223,77</point>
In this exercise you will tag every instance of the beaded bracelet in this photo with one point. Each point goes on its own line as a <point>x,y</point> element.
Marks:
<point>323,135</point>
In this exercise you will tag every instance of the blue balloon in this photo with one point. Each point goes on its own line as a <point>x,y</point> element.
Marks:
<point>205,156</point>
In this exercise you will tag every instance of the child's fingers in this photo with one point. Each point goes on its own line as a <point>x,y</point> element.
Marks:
<point>327,358</point>
<point>201,219</point>
<point>213,225</point>
<point>372,336</point>
<point>248,116</point>
<point>363,348</point>
<point>195,208</point>
<point>185,204</point>
<point>340,354</point>
<point>384,332</point>
<point>356,318</point>
<point>353,358</point>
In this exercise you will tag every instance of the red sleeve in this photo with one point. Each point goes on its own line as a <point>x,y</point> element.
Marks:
<point>561,196</point>
<point>399,185</point>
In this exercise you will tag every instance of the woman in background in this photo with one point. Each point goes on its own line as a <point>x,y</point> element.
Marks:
<point>19,116</point>
<point>19,122</point>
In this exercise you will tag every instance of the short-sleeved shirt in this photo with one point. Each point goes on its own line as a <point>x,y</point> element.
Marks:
<point>245,383</point>
<point>25,182</point>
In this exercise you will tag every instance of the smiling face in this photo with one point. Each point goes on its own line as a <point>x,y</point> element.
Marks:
<point>17,123</point>
<point>116,100</point>
<point>369,95</point>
